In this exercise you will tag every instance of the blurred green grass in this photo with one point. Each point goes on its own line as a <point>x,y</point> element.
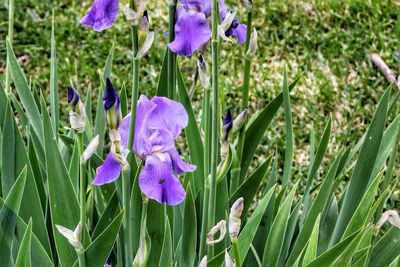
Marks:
<point>329,41</point>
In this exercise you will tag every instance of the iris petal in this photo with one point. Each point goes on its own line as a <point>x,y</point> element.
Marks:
<point>101,15</point>
<point>157,182</point>
<point>180,166</point>
<point>191,32</point>
<point>108,172</point>
<point>169,115</point>
<point>240,32</point>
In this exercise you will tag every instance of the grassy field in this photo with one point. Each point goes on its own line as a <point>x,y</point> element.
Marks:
<point>330,41</point>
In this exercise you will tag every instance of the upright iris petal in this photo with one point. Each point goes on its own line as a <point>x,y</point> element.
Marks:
<point>191,32</point>
<point>101,15</point>
<point>158,124</point>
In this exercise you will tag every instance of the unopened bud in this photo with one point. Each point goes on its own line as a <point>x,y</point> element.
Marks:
<point>228,261</point>
<point>143,252</point>
<point>112,105</point>
<point>239,122</point>
<point>145,22</point>
<point>108,262</point>
<point>73,237</point>
<point>133,16</point>
<point>391,216</point>
<point>248,4</point>
<point>203,262</point>
<point>225,25</point>
<point>252,43</point>
<point>202,67</point>
<point>234,218</point>
<point>227,125</point>
<point>219,227</point>
<point>145,47</point>
<point>90,150</point>
<point>77,118</point>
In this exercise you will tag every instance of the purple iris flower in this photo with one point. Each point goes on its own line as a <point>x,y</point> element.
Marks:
<point>192,29</point>
<point>159,122</point>
<point>101,15</point>
<point>73,97</point>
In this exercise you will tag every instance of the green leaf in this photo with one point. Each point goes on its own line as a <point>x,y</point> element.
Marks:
<point>108,65</point>
<point>8,148</point>
<point>62,197</point>
<point>250,186</point>
<point>192,133</point>
<point>99,250</point>
<point>25,93</point>
<point>124,101</point>
<point>155,230</point>
<point>246,236</point>
<point>318,206</point>
<point>38,253</point>
<point>54,105</point>
<point>100,120</point>
<point>276,238</point>
<point>74,167</point>
<point>289,140</point>
<point>362,172</point>
<point>108,215</point>
<point>386,249</point>
<point>166,253</point>
<point>162,88</point>
<point>24,252</point>
<point>311,251</point>
<point>255,131</point>
<point>330,256</point>
<point>189,230</point>
<point>362,214</point>
<point>328,224</point>
<point>8,217</point>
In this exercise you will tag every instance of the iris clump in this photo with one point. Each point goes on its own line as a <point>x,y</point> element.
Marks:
<point>159,123</point>
<point>192,30</point>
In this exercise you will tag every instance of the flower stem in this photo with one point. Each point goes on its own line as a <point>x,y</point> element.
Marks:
<point>81,255</point>
<point>236,252</point>
<point>10,39</point>
<point>214,120</point>
<point>126,183</point>
<point>207,130</point>
<point>171,55</point>
<point>245,98</point>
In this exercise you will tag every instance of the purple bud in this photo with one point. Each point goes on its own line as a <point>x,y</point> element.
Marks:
<point>112,105</point>
<point>227,124</point>
<point>73,97</point>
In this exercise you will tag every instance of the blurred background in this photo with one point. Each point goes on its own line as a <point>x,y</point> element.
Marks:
<point>330,41</point>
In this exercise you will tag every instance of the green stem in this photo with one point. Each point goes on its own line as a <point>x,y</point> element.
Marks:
<point>206,194</point>
<point>81,259</point>
<point>236,252</point>
<point>214,120</point>
<point>10,39</point>
<point>126,187</point>
<point>245,96</point>
<point>82,179</point>
<point>171,55</point>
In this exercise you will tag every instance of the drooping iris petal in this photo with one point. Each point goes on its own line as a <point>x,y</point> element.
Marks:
<point>108,172</point>
<point>157,182</point>
<point>191,32</point>
<point>179,165</point>
<point>238,30</point>
<point>169,115</point>
<point>101,15</point>
<point>111,96</point>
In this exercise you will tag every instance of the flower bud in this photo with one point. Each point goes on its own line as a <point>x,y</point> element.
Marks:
<point>225,25</point>
<point>112,105</point>
<point>132,16</point>
<point>108,263</point>
<point>248,4</point>
<point>391,216</point>
<point>203,262</point>
<point>90,150</point>
<point>252,43</point>
<point>202,67</point>
<point>143,252</point>
<point>234,218</point>
<point>219,227</point>
<point>239,122</point>
<point>77,113</point>
<point>73,237</point>
<point>227,125</point>
<point>228,260</point>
